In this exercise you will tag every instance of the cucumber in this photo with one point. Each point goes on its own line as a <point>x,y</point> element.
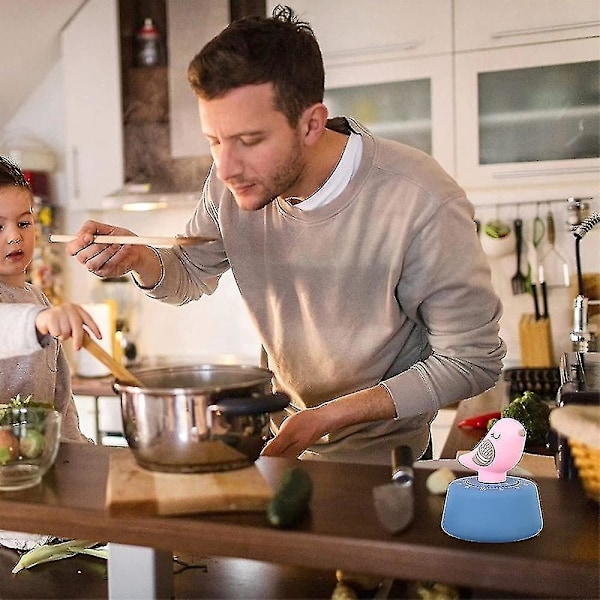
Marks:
<point>292,499</point>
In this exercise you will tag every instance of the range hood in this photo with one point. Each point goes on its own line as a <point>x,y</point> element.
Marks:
<point>142,198</point>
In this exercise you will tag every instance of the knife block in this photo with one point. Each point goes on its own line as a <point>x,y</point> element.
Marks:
<point>535,337</point>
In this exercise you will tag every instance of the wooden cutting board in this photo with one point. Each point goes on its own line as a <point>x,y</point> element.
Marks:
<point>131,489</point>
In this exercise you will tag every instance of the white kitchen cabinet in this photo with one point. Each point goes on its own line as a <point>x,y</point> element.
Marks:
<point>408,100</point>
<point>483,24</point>
<point>92,85</point>
<point>389,66</point>
<point>529,115</point>
<point>351,31</point>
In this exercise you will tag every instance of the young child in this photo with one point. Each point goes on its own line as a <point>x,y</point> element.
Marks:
<point>32,360</point>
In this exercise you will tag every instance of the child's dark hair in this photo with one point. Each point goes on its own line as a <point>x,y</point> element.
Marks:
<point>281,50</point>
<point>11,174</point>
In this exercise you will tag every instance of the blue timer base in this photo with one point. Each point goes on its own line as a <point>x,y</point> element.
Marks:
<point>492,512</point>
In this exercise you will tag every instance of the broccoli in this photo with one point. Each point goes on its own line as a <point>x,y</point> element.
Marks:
<point>533,413</point>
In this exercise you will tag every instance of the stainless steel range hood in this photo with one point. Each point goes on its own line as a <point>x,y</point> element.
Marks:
<point>141,198</point>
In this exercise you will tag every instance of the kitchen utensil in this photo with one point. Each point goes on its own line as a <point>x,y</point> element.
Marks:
<point>532,258</point>
<point>518,281</point>
<point>394,502</point>
<point>555,265</point>
<point>156,241</point>
<point>534,292</point>
<point>541,280</point>
<point>114,366</point>
<point>544,300</point>
<point>202,418</point>
<point>536,302</point>
<point>539,229</point>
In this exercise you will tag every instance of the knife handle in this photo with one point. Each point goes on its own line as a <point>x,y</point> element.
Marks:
<point>402,463</point>
<point>544,300</point>
<point>536,303</point>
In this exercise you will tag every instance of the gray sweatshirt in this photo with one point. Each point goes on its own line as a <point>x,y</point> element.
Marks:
<point>29,366</point>
<point>386,284</point>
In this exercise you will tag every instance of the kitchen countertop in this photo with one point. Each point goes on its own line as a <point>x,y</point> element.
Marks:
<point>564,557</point>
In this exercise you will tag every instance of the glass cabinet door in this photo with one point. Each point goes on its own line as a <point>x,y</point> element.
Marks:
<point>409,101</point>
<point>379,108</point>
<point>530,114</point>
<point>539,113</point>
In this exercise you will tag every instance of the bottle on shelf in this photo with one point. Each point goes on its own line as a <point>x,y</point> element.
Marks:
<point>149,46</point>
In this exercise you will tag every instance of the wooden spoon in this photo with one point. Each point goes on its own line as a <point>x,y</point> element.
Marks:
<point>114,366</point>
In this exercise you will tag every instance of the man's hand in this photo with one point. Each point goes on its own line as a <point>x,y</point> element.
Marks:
<point>297,432</point>
<point>302,429</point>
<point>114,260</point>
<point>65,321</point>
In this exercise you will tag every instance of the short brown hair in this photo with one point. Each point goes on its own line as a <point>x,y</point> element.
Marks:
<point>281,50</point>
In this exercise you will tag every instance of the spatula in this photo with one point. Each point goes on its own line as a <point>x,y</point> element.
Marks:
<point>113,365</point>
<point>519,281</point>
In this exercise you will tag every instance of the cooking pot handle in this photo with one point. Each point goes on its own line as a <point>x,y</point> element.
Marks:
<point>251,405</point>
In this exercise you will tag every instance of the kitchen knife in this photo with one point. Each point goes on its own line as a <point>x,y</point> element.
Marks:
<point>394,502</point>
<point>532,258</point>
<point>536,304</point>
<point>544,300</point>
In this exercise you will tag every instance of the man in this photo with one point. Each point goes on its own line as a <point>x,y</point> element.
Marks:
<point>357,257</point>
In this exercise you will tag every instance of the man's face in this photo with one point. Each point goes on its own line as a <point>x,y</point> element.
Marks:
<point>257,154</point>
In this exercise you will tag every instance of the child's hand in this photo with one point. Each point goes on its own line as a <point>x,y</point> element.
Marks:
<point>65,321</point>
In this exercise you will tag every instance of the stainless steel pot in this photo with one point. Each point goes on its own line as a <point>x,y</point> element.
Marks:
<point>198,418</point>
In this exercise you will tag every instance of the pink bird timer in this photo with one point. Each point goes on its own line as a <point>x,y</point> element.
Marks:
<point>498,452</point>
<point>493,507</point>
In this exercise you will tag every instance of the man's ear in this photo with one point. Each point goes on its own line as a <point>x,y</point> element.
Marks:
<point>313,122</point>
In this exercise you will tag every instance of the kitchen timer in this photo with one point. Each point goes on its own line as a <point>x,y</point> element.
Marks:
<point>492,506</point>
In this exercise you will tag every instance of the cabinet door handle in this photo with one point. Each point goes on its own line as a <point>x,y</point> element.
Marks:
<point>536,30</point>
<point>373,53</point>
<point>543,171</point>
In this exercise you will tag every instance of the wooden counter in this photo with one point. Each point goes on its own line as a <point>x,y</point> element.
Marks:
<point>561,561</point>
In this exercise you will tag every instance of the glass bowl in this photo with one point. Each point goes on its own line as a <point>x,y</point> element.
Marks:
<point>29,441</point>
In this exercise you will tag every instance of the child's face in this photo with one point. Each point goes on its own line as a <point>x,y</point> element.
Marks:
<point>17,234</point>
